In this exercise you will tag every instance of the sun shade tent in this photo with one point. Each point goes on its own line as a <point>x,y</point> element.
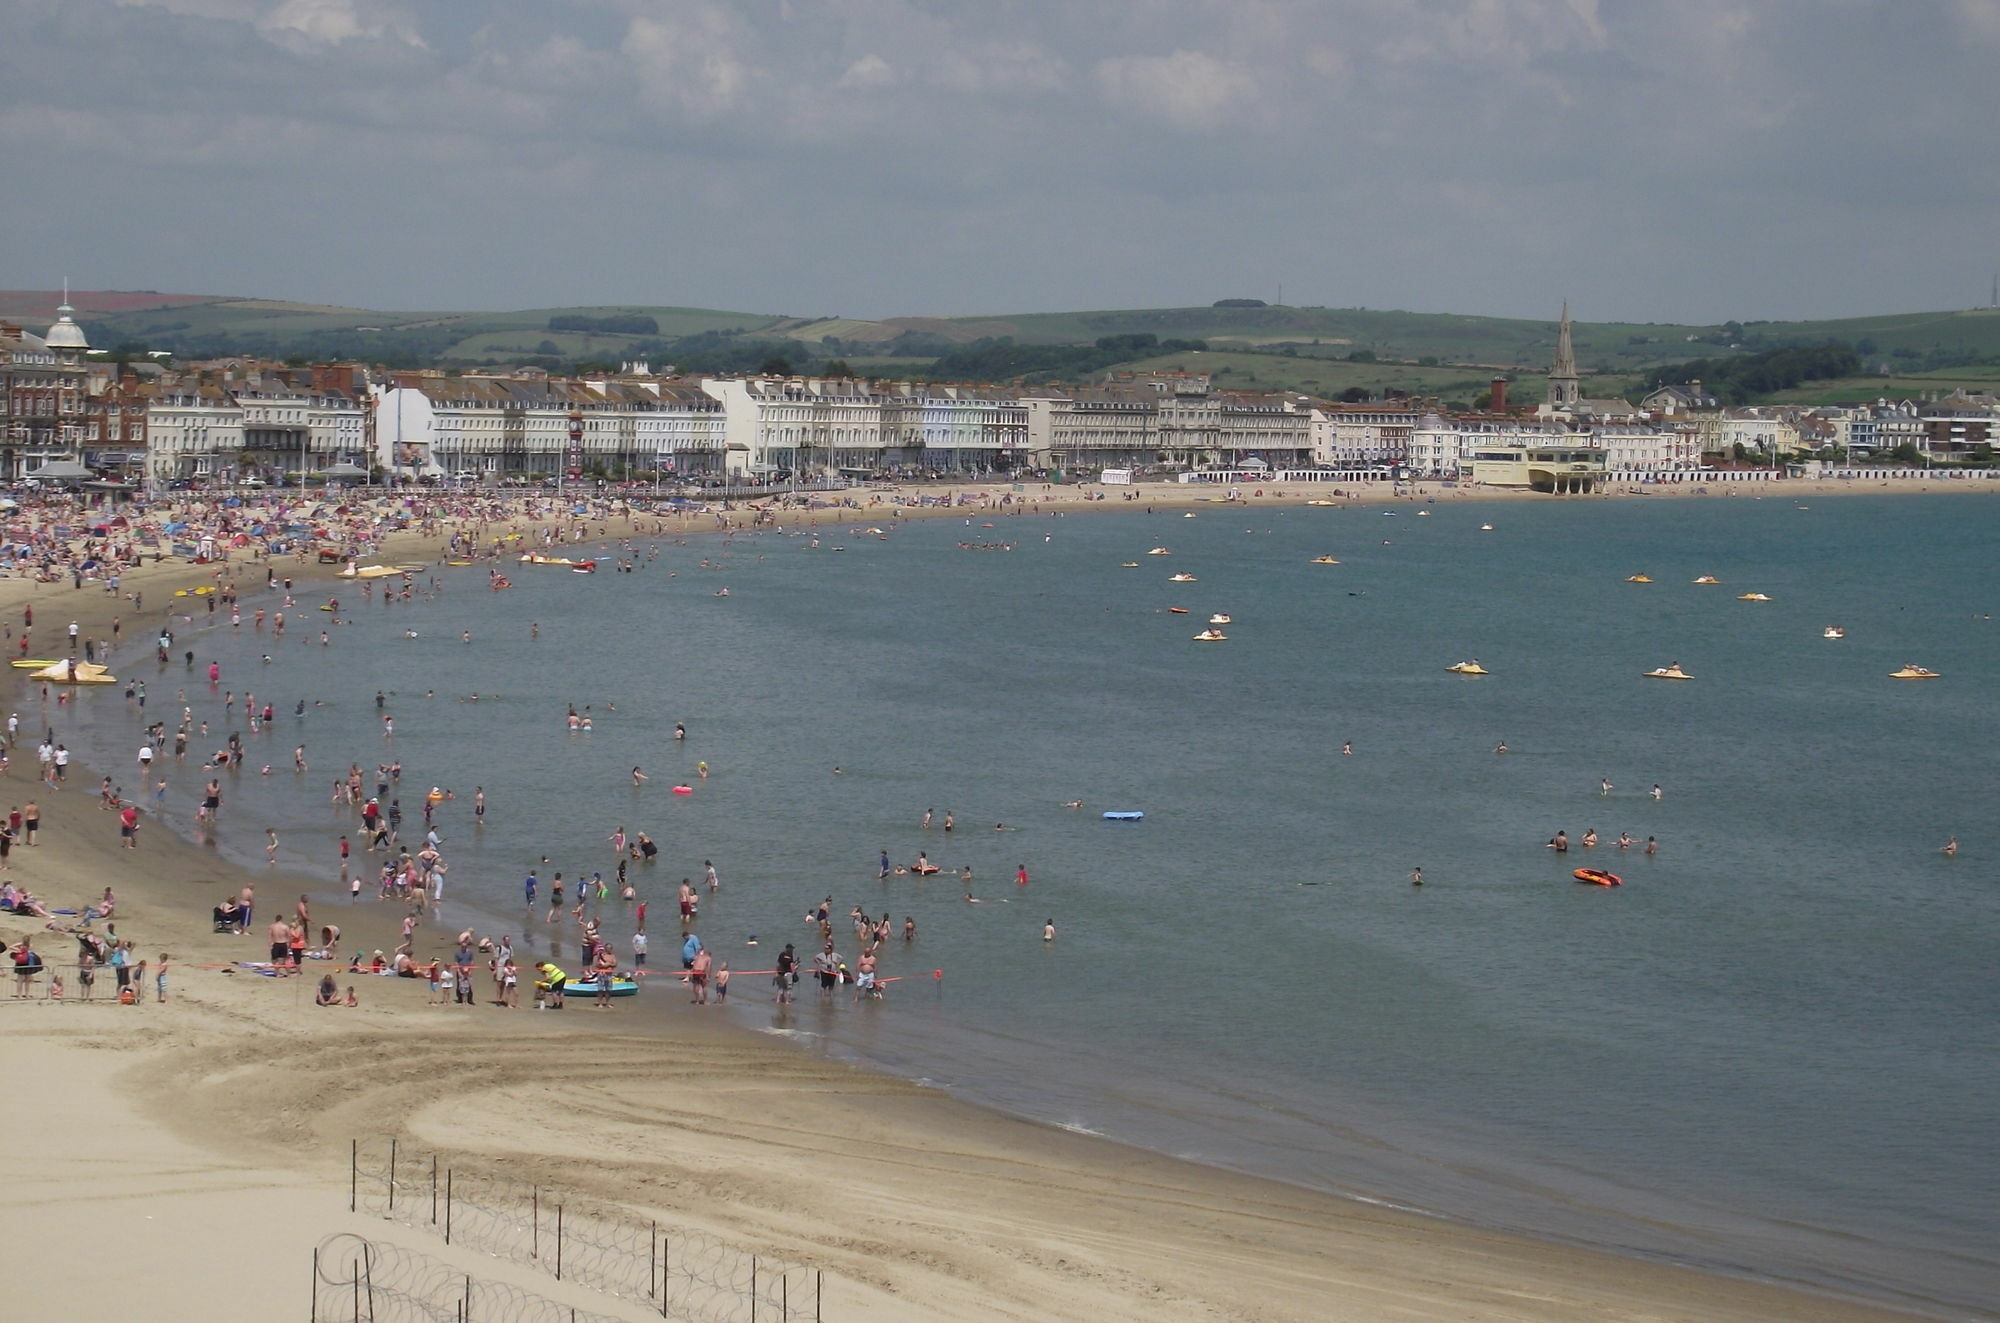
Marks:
<point>61,470</point>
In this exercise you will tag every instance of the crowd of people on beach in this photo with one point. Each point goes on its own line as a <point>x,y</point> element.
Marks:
<point>248,541</point>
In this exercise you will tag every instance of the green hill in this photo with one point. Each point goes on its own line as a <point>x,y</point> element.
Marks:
<point>1322,350</point>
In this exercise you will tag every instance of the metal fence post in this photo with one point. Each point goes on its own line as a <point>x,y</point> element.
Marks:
<point>559,1240</point>
<point>785,1297</point>
<point>353,1175</point>
<point>315,1285</point>
<point>753,1288</point>
<point>447,1205</point>
<point>535,1216</point>
<point>468,1298</point>
<point>816,1287</point>
<point>392,1176</point>
<point>652,1258</point>
<point>434,1189</point>
<point>666,1266</point>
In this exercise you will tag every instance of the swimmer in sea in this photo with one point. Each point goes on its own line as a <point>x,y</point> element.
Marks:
<point>1049,931</point>
<point>1417,877</point>
<point>1501,747</point>
<point>1950,848</point>
<point>639,778</point>
<point>1347,748</point>
<point>1652,846</point>
<point>1604,787</point>
<point>1559,842</point>
<point>1074,804</point>
<point>1625,841</point>
<point>1589,838</point>
<point>1657,792</point>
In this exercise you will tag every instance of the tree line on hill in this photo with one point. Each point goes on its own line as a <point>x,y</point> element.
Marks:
<point>616,324</point>
<point>1743,379</point>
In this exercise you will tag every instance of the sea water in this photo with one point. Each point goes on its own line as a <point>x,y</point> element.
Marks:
<point>1772,1050</point>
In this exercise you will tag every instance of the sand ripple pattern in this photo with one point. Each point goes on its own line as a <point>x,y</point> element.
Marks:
<point>371,1279</point>
<point>678,1273</point>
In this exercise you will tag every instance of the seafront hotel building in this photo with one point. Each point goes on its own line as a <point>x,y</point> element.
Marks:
<point>238,420</point>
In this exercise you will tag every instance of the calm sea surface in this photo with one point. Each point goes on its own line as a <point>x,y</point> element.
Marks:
<point>1773,1050</point>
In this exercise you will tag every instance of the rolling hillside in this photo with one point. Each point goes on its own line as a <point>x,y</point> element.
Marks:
<point>1253,347</point>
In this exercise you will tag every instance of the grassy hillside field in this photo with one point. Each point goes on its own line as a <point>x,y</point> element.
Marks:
<point>1316,342</point>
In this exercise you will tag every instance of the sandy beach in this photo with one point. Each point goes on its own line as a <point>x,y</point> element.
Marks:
<point>186,1157</point>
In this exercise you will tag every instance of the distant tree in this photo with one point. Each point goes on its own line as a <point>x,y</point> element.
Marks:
<point>617,324</point>
<point>1428,360</point>
<point>1239,303</point>
<point>1362,356</point>
<point>777,365</point>
<point>1741,379</point>
<point>1355,395</point>
<point>836,367</point>
<point>1907,453</point>
<point>547,348</point>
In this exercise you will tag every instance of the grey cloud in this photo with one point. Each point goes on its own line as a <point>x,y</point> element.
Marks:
<point>1705,159</point>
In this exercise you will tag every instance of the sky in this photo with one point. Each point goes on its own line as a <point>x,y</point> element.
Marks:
<point>1648,160</point>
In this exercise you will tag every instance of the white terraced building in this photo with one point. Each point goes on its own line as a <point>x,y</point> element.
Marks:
<point>194,430</point>
<point>523,425</point>
<point>821,426</point>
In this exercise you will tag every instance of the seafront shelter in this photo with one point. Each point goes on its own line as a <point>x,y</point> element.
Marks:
<point>1561,470</point>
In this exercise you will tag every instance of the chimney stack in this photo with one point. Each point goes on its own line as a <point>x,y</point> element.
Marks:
<point>1499,404</point>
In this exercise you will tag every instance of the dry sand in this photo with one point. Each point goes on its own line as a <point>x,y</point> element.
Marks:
<point>183,1159</point>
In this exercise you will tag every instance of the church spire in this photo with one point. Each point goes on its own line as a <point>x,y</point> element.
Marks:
<point>1565,389</point>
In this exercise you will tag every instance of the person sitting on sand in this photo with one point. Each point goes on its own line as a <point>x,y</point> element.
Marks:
<point>328,994</point>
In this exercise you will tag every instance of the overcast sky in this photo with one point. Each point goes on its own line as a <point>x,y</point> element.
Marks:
<point>1647,159</point>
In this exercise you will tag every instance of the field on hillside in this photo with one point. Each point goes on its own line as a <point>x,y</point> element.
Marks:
<point>1500,343</point>
<point>672,321</point>
<point>1971,333</point>
<point>36,307</point>
<point>1327,378</point>
<point>1915,385</point>
<point>1626,354</point>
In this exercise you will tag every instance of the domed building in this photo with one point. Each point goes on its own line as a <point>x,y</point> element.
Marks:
<point>44,394</point>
